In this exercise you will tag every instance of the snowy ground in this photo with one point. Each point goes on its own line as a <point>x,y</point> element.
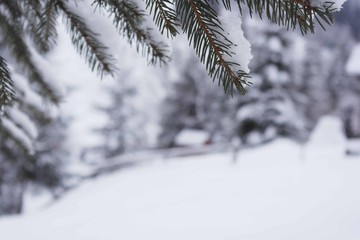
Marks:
<point>270,193</point>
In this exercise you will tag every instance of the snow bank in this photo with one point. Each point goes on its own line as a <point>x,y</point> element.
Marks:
<point>353,65</point>
<point>353,147</point>
<point>207,198</point>
<point>191,137</point>
<point>327,141</point>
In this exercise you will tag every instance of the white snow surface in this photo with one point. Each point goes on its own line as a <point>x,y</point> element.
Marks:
<point>353,146</point>
<point>267,195</point>
<point>328,132</point>
<point>353,64</point>
<point>328,140</point>
<point>191,137</point>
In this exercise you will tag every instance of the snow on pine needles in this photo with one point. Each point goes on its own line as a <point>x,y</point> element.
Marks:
<point>334,4</point>
<point>241,48</point>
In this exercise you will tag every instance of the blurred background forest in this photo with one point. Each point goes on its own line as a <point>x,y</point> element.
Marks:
<point>145,112</point>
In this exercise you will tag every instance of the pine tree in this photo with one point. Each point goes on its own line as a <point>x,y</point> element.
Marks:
<point>342,88</point>
<point>325,87</point>
<point>51,156</point>
<point>338,82</point>
<point>21,170</point>
<point>121,131</point>
<point>179,108</point>
<point>316,99</point>
<point>269,110</point>
<point>191,104</point>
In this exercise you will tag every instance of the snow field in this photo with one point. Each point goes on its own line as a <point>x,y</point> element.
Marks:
<point>268,194</point>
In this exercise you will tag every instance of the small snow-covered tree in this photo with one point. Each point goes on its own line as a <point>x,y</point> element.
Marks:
<point>179,109</point>
<point>325,87</point>
<point>40,168</point>
<point>50,157</point>
<point>269,110</point>
<point>342,87</point>
<point>338,82</point>
<point>316,99</point>
<point>190,103</point>
<point>23,125</point>
<point>121,132</point>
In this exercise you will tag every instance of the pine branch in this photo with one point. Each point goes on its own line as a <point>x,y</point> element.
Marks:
<point>226,3</point>
<point>86,42</point>
<point>163,16</point>
<point>45,32</point>
<point>31,11</point>
<point>128,19</point>
<point>290,13</point>
<point>200,22</point>
<point>7,94</point>
<point>14,41</point>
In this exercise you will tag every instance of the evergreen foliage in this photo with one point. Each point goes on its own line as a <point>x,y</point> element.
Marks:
<point>7,94</point>
<point>23,161</point>
<point>337,80</point>
<point>201,24</point>
<point>179,109</point>
<point>129,19</point>
<point>198,19</point>
<point>341,87</point>
<point>182,107</point>
<point>192,105</point>
<point>164,16</point>
<point>313,83</point>
<point>270,110</point>
<point>292,14</point>
<point>45,32</point>
<point>21,170</point>
<point>121,132</point>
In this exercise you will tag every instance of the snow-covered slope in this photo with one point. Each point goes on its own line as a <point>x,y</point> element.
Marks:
<point>269,194</point>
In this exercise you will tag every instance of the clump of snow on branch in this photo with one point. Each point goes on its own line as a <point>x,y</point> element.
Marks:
<point>241,48</point>
<point>336,5</point>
